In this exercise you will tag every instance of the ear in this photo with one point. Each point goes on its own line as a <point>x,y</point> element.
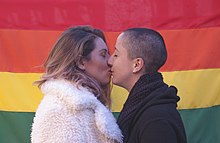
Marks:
<point>81,64</point>
<point>138,65</point>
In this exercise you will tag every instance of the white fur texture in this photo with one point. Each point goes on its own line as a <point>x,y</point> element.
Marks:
<point>67,114</point>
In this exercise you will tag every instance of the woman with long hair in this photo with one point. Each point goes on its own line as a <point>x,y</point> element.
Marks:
<point>76,88</point>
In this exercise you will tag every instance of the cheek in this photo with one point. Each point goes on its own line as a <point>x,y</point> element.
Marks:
<point>101,66</point>
<point>98,63</point>
<point>119,64</point>
<point>101,69</point>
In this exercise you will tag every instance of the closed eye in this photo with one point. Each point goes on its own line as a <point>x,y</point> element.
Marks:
<point>104,54</point>
<point>115,55</point>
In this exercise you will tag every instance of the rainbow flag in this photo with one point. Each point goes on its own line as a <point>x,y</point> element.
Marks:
<point>191,29</point>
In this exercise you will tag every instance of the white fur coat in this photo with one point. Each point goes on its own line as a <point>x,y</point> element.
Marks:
<point>67,114</point>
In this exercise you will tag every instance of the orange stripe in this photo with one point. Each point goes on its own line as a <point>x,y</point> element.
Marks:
<point>187,49</point>
<point>23,51</point>
<point>192,49</point>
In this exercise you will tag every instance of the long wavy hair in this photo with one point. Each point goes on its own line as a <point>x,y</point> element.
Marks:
<point>72,46</point>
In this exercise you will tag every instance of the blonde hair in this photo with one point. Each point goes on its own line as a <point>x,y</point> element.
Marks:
<point>72,46</point>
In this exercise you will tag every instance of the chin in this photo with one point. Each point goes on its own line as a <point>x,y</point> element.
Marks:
<point>114,81</point>
<point>105,82</point>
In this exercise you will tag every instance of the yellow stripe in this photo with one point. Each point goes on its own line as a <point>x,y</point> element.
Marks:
<point>17,92</point>
<point>197,89</point>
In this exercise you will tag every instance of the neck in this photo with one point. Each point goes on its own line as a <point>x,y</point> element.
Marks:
<point>132,82</point>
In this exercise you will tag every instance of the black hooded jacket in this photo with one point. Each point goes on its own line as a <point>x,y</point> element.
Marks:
<point>149,115</point>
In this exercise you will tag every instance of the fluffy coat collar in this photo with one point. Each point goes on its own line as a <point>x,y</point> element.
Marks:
<point>79,98</point>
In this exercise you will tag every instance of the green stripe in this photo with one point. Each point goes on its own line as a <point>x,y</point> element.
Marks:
<point>202,125</point>
<point>116,114</point>
<point>15,127</point>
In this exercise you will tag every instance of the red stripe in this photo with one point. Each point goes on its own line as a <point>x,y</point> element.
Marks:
<point>109,15</point>
<point>23,51</point>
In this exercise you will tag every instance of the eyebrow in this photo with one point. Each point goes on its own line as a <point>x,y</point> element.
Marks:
<point>116,49</point>
<point>105,50</point>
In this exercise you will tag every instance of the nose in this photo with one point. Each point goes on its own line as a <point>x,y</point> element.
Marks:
<point>110,61</point>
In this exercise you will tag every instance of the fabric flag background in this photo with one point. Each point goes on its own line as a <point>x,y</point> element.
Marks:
<point>191,29</point>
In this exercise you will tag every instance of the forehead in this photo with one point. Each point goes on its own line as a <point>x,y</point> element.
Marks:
<point>120,42</point>
<point>100,44</point>
<point>120,38</point>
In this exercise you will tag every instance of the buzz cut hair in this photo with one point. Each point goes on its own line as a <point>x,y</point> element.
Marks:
<point>147,44</point>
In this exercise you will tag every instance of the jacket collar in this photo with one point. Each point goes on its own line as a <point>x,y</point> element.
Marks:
<point>80,98</point>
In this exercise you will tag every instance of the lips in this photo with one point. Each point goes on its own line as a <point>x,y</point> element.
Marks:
<point>110,71</point>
